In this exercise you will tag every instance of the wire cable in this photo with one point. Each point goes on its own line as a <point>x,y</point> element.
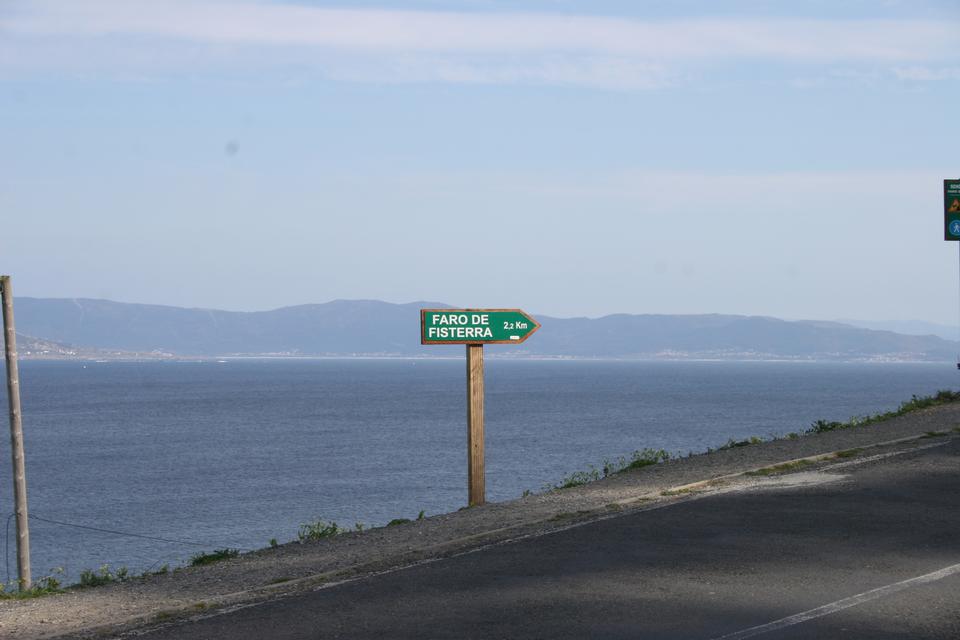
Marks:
<point>123,533</point>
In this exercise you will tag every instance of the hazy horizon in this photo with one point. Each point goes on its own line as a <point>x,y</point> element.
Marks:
<point>908,326</point>
<point>569,158</point>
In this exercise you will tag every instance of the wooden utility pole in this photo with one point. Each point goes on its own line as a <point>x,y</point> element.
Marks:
<point>16,437</point>
<point>476,477</point>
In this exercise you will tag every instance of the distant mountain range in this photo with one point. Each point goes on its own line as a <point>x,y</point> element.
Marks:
<point>370,327</point>
<point>908,327</point>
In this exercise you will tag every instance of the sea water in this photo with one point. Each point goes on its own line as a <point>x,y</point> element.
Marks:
<point>236,453</point>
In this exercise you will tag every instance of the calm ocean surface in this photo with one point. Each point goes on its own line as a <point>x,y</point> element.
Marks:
<point>236,453</point>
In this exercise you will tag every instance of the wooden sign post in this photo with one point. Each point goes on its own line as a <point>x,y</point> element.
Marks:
<point>16,437</point>
<point>476,478</point>
<point>475,328</point>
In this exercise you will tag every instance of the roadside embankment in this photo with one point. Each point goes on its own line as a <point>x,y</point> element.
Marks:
<point>273,572</point>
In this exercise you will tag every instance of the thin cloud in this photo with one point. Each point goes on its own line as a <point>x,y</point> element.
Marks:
<point>584,71</point>
<point>425,46</point>
<point>254,23</point>
<point>927,74</point>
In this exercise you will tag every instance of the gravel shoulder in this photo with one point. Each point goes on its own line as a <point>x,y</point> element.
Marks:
<point>293,567</point>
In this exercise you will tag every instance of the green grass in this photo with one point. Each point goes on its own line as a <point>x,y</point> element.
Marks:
<point>88,578</point>
<point>637,460</point>
<point>848,453</point>
<point>95,578</point>
<point>103,575</point>
<point>318,530</point>
<point>645,457</point>
<point>915,403</point>
<point>786,467</point>
<point>45,586</point>
<point>642,458</point>
<point>162,571</point>
<point>217,555</point>
<point>397,521</point>
<point>576,479</point>
<point>734,444</point>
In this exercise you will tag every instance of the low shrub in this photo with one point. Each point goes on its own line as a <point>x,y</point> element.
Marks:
<point>318,530</point>
<point>217,555</point>
<point>103,575</point>
<point>42,587</point>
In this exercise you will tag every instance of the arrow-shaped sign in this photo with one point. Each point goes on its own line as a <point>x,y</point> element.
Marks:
<point>475,326</point>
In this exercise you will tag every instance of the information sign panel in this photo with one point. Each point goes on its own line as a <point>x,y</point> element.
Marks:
<point>475,326</point>
<point>951,210</point>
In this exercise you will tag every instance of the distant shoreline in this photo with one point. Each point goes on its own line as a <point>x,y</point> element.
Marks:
<point>99,359</point>
<point>105,330</point>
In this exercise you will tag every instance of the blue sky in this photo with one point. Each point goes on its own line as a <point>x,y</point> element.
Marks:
<point>570,158</point>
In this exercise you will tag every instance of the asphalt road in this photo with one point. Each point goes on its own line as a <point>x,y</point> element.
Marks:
<point>875,554</point>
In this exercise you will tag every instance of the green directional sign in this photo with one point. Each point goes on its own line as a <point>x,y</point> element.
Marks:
<point>951,209</point>
<point>475,326</point>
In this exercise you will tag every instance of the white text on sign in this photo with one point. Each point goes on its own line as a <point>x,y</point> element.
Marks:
<point>461,326</point>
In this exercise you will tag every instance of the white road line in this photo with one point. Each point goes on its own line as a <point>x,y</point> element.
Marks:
<point>840,605</point>
<point>883,456</point>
